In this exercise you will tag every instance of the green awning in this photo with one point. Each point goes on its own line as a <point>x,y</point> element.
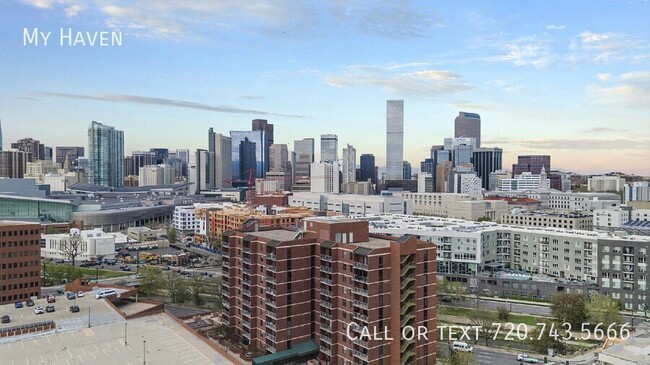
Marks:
<point>297,351</point>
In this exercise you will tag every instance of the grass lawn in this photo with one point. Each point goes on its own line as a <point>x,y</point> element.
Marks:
<point>87,271</point>
<point>514,318</point>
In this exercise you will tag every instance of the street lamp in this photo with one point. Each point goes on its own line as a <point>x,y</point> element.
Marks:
<point>88,317</point>
<point>125,333</point>
<point>144,352</point>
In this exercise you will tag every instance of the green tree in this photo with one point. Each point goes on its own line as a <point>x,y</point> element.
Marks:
<point>484,219</point>
<point>570,308</point>
<point>503,313</point>
<point>196,288</point>
<point>602,309</point>
<point>451,290</point>
<point>151,280</point>
<point>172,235</point>
<point>550,335</point>
<point>484,320</point>
<point>176,287</point>
<point>453,357</point>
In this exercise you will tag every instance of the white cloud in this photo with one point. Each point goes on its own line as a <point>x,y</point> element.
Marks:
<point>604,77</point>
<point>73,10</point>
<point>527,51</point>
<point>555,27</point>
<point>608,47</point>
<point>631,89</point>
<point>418,82</point>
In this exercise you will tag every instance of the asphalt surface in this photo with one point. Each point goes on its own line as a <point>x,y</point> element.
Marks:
<point>491,356</point>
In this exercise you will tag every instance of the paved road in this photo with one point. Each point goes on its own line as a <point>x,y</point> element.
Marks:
<point>491,356</point>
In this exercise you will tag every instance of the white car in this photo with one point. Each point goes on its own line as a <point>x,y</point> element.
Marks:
<point>462,347</point>
<point>80,294</point>
<point>526,358</point>
<point>39,310</point>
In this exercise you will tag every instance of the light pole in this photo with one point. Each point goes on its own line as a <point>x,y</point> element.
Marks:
<point>144,352</point>
<point>125,333</point>
<point>88,317</point>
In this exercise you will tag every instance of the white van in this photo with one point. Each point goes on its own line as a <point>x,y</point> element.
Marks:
<point>105,293</point>
<point>462,346</point>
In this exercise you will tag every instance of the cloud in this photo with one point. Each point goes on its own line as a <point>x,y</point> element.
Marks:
<point>417,82</point>
<point>586,144</point>
<point>466,105</point>
<point>631,89</point>
<point>70,7</point>
<point>527,51</point>
<point>146,100</point>
<point>73,10</point>
<point>604,130</point>
<point>608,47</point>
<point>555,27</point>
<point>604,77</point>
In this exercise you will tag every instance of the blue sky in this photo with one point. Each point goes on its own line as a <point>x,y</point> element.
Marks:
<point>569,79</point>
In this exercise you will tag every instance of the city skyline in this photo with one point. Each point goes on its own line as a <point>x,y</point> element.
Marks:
<point>546,78</point>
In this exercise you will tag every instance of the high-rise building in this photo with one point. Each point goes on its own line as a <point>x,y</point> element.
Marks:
<point>35,149</point>
<point>486,161</point>
<point>443,169</point>
<point>48,154</point>
<point>258,138</point>
<point>184,156</point>
<point>1,136</point>
<point>460,149</point>
<point>463,180</point>
<point>156,175</point>
<point>325,177</point>
<point>636,191</point>
<point>279,157</point>
<point>532,164</point>
<point>13,163</point>
<point>304,150</point>
<point>367,168</point>
<point>247,159</point>
<point>161,154</point>
<point>222,159</point>
<point>271,299</point>
<point>349,164</point>
<point>394,139</point>
<point>428,166</point>
<point>329,148</point>
<point>199,172</point>
<point>138,159</point>
<point>605,183</point>
<point>20,264</point>
<point>264,125</point>
<point>468,125</point>
<point>406,170</point>
<point>73,154</point>
<point>425,182</point>
<point>106,155</point>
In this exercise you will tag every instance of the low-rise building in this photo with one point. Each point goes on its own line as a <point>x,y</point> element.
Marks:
<point>452,205</point>
<point>347,204</point>
<point>222,220</point>
<point>563,201</point>
<point>520,217</point>
<point>88,244</point>
<point>605,183</point>
<point>142,234</point>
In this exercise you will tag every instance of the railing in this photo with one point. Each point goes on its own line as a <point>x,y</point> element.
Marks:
<point>361,304</point>
<point>361,317</point>
<point>270,279</point>
<point>270,349</point>
<point>326,293</point>
<point>271,302</point>
<point>326,269</point>
<point>270,325</point>
<point>404,259</point>
<point>247,271</point>
<point>326,281</point>
<point>326,304</point>
<point>406,281</point>
<point>246,324</point>
<point>406,269</point>
<point>360,342</point>
<point>246,250</point>
<point>247,260</point>
<point>406,357</point>
<point>271,256</point>
<point>270,268</point>
<point>246,292</point>
<point>246,302</point>
<point>270,291</point>
<point>406,345</point>
<point>247,313</point>
<point>326,339</point>
<point>406,307</point>
<point>363,279</point>
<point>326,352</point>
<point>361,265</point>
<point>326,257</point>
<point>270,337</point>
<point>271,314</point>
<point>363,292</point>
<point>326,327</point>
<point>360,355</point>
<point>406,320</point>
<point>326,316</point>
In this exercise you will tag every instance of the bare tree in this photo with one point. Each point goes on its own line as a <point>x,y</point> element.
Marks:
<point>71,246</point>
<point>176,287</point>
<point>196,287</point>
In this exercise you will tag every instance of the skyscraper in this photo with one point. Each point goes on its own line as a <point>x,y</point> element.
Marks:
<point>329,148</point>
<point>257,137</point>
<point>325,177</point>
<point>161,155</point>
<point>468,125</point>
<point>349,164</point>
<point>106,155</point>
<point>34,148</point>
<point>199,172</point>
<point>367,168</point>
<point>0,135</point>
<point>221,160</point>
<point>247,159</point>
<point>73,154</point>
<point>279,157</point>
<point>406,170</point>
<point>394,139</point>
<point>532,164</point>
<point>486,161</point>
<point>304,150</point>
<point>264,125</point>
<point>13,163</point>
<point>184,156</point>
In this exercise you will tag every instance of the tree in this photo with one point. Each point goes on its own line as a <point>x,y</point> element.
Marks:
<point>503,313</point>
<point>550,335</point>
<point>484,219</point>
<point>569,307</point>
<point>196,287</point>
<point>71,247</point>
<point>483,320</point>
<point>602,309</point>
<point>451,290</point>
<point>172,235</point>
<point>454,357</point>
<point>176,287</point>
<point>151,280</point>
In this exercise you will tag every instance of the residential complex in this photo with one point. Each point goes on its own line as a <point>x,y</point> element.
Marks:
<point>519,217</point>
<point>20,264</point>
<point>605,183</point>
<point>325,284</point>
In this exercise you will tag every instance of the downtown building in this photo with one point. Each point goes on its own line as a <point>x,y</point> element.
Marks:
<point>394,139</point>
<point>323,286</point>
<point>20,261</point>
<point>106,155</point>
<point>468,125</point>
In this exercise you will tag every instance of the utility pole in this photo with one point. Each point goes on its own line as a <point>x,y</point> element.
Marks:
<point>125,343</point>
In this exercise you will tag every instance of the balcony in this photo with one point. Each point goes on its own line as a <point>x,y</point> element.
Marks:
<point>360,278</point>
<point>326,281</point>
<point>360,342</point>
<point>225,304</point>
<point>247,313</point>
<point>327,293</point>
<point>270,291</point>
<point>247,335</point>
<point>326,327</point>
<point>270,268</point>
<point>246,324</point>
<point>360,291</point>
<point>270,279</point>
<point>246,302</point>
<point>327,269</point>
<point>246,292</point>
<point>270,325</point>
<point>270,349</point>
<point>271,315</point>
<point>361,265</point>
<point>326,257</point>
<point>326,316</point>
<point>246,282</point>
<point>246,250</point>
<point>326,339</point>
<point>270,337</point>
<point>225,245</point>
<point>271,257</point>
<point>271,302</point>
<point>247,271</point>
<point>360,304</point>
<point>247,260</point>
<point>361,317</point>
<point>360,355</point>
<point>326,304</point>
<point>326,352</point>
<point>225,264</point>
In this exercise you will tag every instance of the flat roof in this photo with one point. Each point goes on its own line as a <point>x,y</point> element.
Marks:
<point>275,234</point>
<point>297,351</point>
<point>374,242</point>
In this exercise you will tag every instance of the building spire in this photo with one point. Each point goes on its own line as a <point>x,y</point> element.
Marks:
<point>66,164</point>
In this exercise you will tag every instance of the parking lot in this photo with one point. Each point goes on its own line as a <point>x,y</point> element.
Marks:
<point>100,313</point>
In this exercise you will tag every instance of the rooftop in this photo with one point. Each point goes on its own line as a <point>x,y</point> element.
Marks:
<point>281,235</point>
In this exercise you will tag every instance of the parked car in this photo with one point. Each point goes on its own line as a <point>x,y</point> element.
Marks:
<point>51,298</point>
<point>30,303</point>
<point>71,295</point>
<point>18,305</point>
<point>526,358</point>
<point>6,319</point>
<point>50,309</point>
<point>462,346</point>
<point>80,294</point>
<point>39,310</point>
<point>126,269</point>
<point>74,309</point>
<point>60,291</point>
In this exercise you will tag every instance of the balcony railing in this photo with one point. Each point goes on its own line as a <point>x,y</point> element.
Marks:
<point>270,337</point>
<point>246,292</point>
<point>270,325</point>
<point>361,317</point>
<point>326,339</point>
<point>270,268</point>
<point>326,257</point>
<point>246,302</point>
<point>246,250</point>
<point>271,256</point>
<point>326,327</point>
<point>247,271</point>
<point>360,342</point>
<point>270,349</point>
<point>361,265</point>
<point>271,314</point>
<point>271,302</point>
<point>246,324</point>
<point>361,304</point>
<point>326,269</point>
<point>363,279</point>
<point>270,291</point>
<point>360,291</point>
<point>360,355</point>
<point>326,316</point>
<point>326,304</point>
<point>326,352</point>
<point>326,293</point>
<point>326,281</point>
<point>247,313</point>
<point>247,260</point>
<point>270,279</point>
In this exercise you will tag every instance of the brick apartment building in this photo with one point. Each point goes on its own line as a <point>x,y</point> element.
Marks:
<point>327,284</point>
<point>20,261</point>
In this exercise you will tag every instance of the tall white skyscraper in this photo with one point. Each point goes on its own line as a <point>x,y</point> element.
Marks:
<point>349,164</point>
<point>151,175</point>
<point>394,139</point>
<point>325,177</point>
<point>222,161</point>
<point>329,148</point>
<point>106,155</point>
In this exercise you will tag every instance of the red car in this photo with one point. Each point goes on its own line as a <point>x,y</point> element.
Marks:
<point>51,299</point>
